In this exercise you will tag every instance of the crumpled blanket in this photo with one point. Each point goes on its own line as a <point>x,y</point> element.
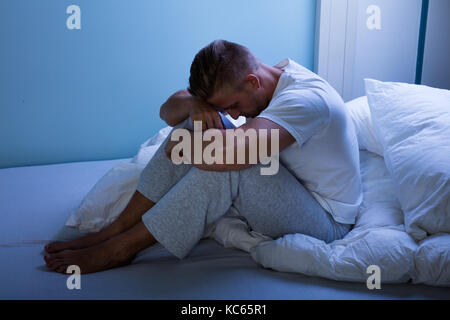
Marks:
<point>377,239</point>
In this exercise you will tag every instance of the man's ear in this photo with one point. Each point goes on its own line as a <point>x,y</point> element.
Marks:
<point>253,80</point>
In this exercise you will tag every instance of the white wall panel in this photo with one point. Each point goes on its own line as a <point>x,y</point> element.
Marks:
<point>436,62</point>
<point>351,51</point>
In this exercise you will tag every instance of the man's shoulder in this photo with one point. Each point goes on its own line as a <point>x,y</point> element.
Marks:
<point>295,95</point>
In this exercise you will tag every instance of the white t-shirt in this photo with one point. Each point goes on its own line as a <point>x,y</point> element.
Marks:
<point>325,156</point>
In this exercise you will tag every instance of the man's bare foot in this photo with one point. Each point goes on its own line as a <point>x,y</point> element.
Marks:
<point>115,252</point>
<point>93,259</point>
<point>80,243</point>
<point>131,215</point>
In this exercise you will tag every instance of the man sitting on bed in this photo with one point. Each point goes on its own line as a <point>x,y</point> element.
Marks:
<point>316,191</point>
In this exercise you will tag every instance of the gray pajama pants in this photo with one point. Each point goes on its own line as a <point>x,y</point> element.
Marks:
<point>189,199</point>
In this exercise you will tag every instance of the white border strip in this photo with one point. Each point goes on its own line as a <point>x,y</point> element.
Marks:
<point>335,43</point>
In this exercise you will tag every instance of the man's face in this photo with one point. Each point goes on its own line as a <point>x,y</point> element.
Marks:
<point>249,102</point>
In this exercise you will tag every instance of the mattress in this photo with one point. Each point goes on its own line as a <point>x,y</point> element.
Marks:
<point>36,201</point>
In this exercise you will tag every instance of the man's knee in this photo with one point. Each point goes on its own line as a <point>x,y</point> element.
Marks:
<point>255,173</point>
<point>254,170</point>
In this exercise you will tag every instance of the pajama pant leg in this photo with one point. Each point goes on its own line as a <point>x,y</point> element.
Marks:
<point>178,220</point>
<point>279,204</point>
<point>272,205</point>
<point>160,174</point>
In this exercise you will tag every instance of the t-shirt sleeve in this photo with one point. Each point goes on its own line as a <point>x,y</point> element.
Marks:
<point>301,113</point>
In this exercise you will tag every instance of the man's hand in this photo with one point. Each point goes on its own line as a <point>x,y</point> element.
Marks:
<point>273,145</point>
<point>182,104</point>
<point>204,112</point>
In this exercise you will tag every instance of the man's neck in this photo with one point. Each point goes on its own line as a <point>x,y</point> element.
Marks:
<point>271,76</point>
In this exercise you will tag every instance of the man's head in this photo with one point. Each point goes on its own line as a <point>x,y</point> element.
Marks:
<point>228,76</point>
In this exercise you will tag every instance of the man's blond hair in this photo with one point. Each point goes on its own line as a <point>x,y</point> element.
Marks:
<point>218,65</point>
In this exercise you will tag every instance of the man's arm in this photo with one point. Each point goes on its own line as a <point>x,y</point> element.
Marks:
<point>241,144</point>
<point>176,108</point>
<point>182,104</point>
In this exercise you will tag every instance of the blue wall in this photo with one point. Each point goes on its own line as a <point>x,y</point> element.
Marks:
<point>94,94</point>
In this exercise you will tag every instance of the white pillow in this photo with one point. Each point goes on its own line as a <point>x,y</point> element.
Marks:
<point>412,123</point>
<point>149,147</point>
<point>359,112</point>
<point>107,199</point>
<point>110,195</point>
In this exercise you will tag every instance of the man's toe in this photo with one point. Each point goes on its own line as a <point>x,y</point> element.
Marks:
<point>62,268</point>
<point>53,247</point>
<point>55,264</point>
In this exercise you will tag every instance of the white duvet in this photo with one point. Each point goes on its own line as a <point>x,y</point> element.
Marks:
<point>378,238</point>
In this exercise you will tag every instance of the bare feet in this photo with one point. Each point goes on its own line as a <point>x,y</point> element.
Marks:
<point>115,252</point>
<point>80,243</point>
<point>93,259</point>
<point>131,215</point>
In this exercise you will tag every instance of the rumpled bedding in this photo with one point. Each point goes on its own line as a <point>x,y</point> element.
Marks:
<point>378,238</point>
<point>402,230</point>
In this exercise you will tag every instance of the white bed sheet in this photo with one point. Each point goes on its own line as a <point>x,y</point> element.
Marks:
<point>35,201</point>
